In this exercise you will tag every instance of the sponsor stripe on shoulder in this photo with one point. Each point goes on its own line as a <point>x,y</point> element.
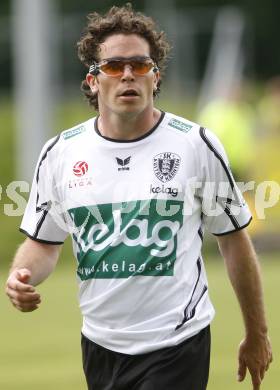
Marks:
<point>73,132</point>
<point>179,125</point>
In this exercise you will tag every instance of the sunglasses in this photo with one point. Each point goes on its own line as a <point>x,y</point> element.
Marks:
<point>115,67</point>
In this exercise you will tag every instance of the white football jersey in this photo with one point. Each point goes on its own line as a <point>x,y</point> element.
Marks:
<point>136,212</point>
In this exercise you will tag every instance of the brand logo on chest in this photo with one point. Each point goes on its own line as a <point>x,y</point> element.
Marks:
<point>123,164</point>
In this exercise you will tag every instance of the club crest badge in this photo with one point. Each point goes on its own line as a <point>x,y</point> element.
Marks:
<point>166,165</point>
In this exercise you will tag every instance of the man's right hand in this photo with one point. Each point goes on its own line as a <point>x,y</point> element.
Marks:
<point>22,294</point>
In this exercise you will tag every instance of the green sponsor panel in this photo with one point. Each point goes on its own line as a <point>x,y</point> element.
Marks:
<point>179,125</point>
<point>127,239</point>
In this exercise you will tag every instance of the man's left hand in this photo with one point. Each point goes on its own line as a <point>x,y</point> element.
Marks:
<point>255,353</point>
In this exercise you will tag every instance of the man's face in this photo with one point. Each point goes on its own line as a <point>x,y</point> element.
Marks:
<point>113,92</point>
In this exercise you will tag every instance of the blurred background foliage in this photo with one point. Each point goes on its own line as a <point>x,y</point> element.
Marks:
<point>262,18</point>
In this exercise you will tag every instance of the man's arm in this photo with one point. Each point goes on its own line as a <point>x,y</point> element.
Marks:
<point>33,263</point>
<point>244,273</point>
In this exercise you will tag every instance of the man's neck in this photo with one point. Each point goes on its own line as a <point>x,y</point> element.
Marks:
<point>127,127</point>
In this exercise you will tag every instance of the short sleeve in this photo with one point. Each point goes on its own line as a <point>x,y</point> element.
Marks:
<point>42,220</point>
<point>224,209</point>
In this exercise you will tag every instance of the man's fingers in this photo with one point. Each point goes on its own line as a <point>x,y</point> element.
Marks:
<point>269,361</point>
<point>241,371</point>
<point>267,366</point>
<point>256,357</point>
<point>25,308</point>
<point>24,297</point>
<point>18,280</point>
<point>256,379</point>
<point>15,284</point>
<point>262,372</point>
<point>24,275</point>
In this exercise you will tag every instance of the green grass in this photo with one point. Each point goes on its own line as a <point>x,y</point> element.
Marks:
<point>227,327</point>
<point>7,161</point>
<point>41,350</point>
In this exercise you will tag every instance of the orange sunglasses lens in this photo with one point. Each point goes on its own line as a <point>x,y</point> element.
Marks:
<point>116,67</point>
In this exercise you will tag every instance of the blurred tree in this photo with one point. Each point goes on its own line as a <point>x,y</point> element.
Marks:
<point>263,18</point>
<point>4,7</point>
<point>98,6</point>
<point>5,47</point>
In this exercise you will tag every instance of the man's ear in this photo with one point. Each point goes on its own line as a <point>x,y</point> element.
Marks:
<point>156,80</point>
<point>92,82</point>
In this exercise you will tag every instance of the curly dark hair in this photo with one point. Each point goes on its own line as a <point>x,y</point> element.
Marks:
<point>120,20</point>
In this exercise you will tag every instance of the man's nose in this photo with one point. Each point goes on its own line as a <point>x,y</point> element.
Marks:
<point>128,73</point>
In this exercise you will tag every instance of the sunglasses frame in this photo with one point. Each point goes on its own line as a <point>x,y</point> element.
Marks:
<point>95,68</point>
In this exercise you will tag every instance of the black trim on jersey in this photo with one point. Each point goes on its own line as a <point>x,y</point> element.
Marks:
<point>129,140</point>
<point>45,155</point>
<point>39,239</point>
<point>217,154</point>
<point>227,201</point>
<point>44,206</point>
<point>234,230</point>
<point>231,217</point>
<point>200,230</point>
<point>188,316</point>
<point>200,233</point>
<point>40,223</point>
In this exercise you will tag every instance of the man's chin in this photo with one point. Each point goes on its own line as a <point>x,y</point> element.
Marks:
<point>128,109</point>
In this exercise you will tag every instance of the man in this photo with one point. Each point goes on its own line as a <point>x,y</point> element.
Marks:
<point>135,187</point>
